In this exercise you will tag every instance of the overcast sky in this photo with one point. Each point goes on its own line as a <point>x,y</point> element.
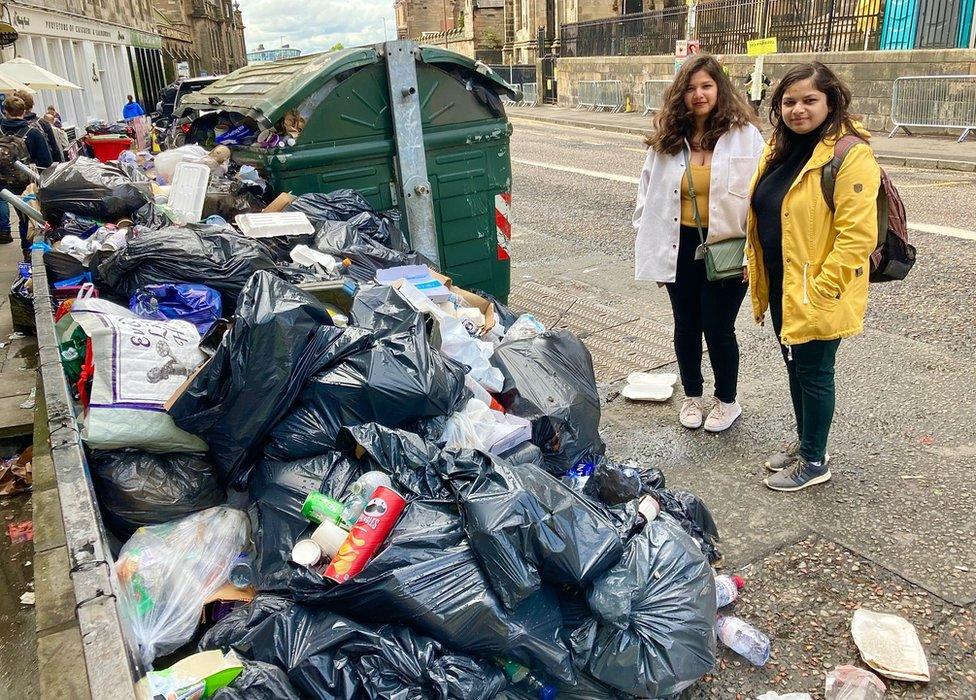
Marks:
<point>316,25</point>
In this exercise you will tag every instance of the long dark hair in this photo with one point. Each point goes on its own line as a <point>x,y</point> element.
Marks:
<point>675,123</point>
<point>838,101</point>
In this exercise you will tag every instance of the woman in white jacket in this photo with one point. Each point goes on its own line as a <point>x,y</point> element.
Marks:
<point>704,133</point>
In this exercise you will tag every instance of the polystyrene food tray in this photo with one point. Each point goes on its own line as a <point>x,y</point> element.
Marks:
<point>282,223</point>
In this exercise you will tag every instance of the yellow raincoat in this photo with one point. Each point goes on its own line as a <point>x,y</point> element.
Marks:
<point>825,253</point>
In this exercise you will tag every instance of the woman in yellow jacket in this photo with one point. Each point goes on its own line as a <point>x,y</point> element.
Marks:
<point>808,261</point>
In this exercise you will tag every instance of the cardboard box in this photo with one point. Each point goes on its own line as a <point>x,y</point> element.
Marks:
<point>279,203</point>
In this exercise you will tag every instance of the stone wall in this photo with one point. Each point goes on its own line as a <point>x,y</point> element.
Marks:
<point>870,74</point>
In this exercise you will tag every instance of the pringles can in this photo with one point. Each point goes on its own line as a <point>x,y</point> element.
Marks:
<point>367,534</point>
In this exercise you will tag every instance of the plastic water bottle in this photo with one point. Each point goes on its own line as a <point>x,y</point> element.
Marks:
<point>727,589</point>
<point>744,639</point>
<point>242,571</point>
<point>360,492</point>
<point>523,679</point>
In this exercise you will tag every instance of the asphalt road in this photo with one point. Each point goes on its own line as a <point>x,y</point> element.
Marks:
<point>895,528</point>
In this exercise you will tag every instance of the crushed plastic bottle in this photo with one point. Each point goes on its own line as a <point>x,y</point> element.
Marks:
<point>727,589</point>
<point>525,681</point>
<point>744,639</point>
<point>360,492</point>
<point>853,683</point>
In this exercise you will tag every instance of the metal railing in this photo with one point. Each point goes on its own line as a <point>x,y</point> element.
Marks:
<point>530,94</point>
<point>801,26</point>
<point>600,94</point>
<point>944,101</point>
<point>654,94</point>
<point>515,74</point>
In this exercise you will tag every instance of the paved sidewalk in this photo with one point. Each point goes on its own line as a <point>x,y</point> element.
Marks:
<point>933,152</point>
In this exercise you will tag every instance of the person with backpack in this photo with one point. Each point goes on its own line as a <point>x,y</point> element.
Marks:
<point>809,259</point>
<point>20,140</point>
<point>52,143</point>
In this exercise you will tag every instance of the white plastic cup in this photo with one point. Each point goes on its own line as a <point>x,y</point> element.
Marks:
<point>329,537</point>
<point>306,552</point>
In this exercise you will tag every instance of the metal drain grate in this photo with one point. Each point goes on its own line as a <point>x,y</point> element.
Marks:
<point>635,347</point>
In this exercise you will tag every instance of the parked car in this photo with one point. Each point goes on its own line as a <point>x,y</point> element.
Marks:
<point>172,94</point>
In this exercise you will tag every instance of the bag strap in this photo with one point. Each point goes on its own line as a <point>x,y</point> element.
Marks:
<point>691,193</point>
<point>828,176</point>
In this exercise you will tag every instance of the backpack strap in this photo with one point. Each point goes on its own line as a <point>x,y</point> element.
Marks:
<point>828,176</point>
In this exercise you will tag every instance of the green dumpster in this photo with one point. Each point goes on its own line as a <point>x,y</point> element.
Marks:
<point>417,128</point>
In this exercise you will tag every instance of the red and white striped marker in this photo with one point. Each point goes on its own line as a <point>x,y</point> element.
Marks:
<point>503,223</point>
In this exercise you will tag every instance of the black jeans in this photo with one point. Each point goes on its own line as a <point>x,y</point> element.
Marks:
<point>25,242</point>
<point>704,308</point>
<point>810,367</point>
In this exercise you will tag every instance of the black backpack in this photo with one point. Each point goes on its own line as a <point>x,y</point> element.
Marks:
<point>893,256</point>
<point>13,147</point>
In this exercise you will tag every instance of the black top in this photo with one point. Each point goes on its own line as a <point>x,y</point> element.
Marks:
<point>37,146</point>
<point>767,200</point>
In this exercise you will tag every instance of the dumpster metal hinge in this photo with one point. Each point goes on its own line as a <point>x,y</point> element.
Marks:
<point>417,196</point>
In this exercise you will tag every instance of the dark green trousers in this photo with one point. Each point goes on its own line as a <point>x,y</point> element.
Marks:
<point>811,371</point>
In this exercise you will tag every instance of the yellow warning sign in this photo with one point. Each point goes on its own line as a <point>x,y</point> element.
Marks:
<point>761,47</point>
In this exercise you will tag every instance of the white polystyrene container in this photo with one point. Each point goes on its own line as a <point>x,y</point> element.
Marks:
<point>188,191</point>
<point>282,223</point>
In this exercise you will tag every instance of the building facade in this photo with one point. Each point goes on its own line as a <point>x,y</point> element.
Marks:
<point>180,56</point>
<point>263,55</point>
<point>217,28</point>
<point>524,18</point>
<point>110,49</point>
<point>474,28</point>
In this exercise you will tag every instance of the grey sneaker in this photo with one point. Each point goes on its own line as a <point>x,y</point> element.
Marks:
<point>798,477</point>
<point>787,458</point>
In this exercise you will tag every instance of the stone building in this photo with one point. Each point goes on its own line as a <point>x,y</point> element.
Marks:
<point>474,28</point>
<point>524,18</point>
<point>218,34</point>
<point>180,57</point>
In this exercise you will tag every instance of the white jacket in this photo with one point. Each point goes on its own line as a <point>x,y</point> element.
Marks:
<point>657,218</point>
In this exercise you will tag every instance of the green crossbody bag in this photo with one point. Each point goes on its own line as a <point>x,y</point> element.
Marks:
<point>723,260</point>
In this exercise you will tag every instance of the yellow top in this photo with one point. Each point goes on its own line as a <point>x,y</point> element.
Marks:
<point>702,175</point>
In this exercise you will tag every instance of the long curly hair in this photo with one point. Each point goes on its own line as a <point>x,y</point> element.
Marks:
<point>675,123</point>
<point>838,102</point>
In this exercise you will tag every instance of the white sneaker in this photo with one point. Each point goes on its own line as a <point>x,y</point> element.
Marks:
<point>722,416</point>
<point>691,415</point>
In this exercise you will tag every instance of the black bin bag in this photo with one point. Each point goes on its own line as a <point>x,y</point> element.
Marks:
<point>259,681</point>
<point>278,490</point>
<point>329,657</point>
<point>342,239</point>
<point>92,189</point>
<point>280,336</point>
<point>383,310</point>
<point>191,254</point>
<point>651,633</point>
<point>427,577</point>
<point>549,380</point>
<point>136,488</point>
<point>694,516</point>
<point>343,205</point>
<point>397,381</point>
<point>527,527</point>
<point>414,464</point>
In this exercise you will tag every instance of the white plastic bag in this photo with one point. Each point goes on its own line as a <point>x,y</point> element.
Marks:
<point>166,573</point>
<point>525,326</point>
<point>853,683</point>
<point>139,363</point>
<point>479,427</point>
<point>460,346</point>
<point>167,161</point>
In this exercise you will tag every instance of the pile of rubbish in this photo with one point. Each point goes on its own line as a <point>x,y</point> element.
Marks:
<point>332,473</point>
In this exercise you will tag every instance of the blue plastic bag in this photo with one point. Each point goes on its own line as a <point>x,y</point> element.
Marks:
<point>196,303</point>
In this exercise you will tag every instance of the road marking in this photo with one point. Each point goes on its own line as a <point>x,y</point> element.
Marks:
<point>579,171</point>
<point>944,231</point>
<point>592,131</point>
<point>642,151</point>
<point>950,231</point>
<point>922,185</point>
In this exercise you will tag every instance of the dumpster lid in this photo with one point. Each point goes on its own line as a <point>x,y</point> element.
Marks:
<point>266,91</point>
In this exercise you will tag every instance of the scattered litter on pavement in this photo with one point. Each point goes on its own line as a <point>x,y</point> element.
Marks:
<point>773,695</point>
<point>889,644</point>
<point>27,598</point>
<point>30,401</point>
<point>21,532</point>
<point>645,386</point>
<point>17,473</point>
<point>853,683</point>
